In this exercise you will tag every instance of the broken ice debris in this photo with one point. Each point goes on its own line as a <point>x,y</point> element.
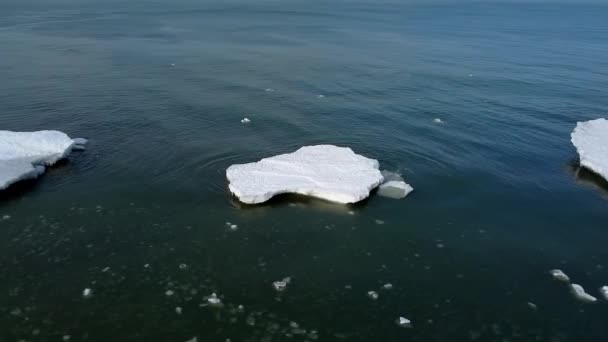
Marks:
<point>559,275</point>
<point>328,172</point>
<point>169,293</point>
<point>214,301</point>
<point>404,322</point>
<point>437,120</point>
<point>395,189</point>
<point>87,292</point>
<point>245,120</point>
<point>372,294</point>
<point>281,285</point>
<point>387,286</point>
<point>580,294</point>
<point>178,310</point>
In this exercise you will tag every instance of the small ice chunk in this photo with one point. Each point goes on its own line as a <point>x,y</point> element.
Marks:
<point>591,141</point>
<point>320,96</point>
<point>604,292</point>
<point>105,269</point>
<point>66,337</point>
<point>178,310</point>
<point>87,292</point>
<point>281,285</point>
<point>437,120</point>
<point>372,294</point>
<point>532,305</point>
<point>387,286</point>
<point>80,141</point>
<point>404,322</point>
<point>559,275</point>
<point>78,148</point>
<point>245,120</point>
<point>328,172</point>
<point>580,294</point>
<point>234,227</point>
<point>183,266</point>
<point>394,189</point>
<point>169,293</point>
<point>6,217</point>
<point>192,340</point>
<point>269,90</point>
<point>379,222</point>
<point>214,300</point>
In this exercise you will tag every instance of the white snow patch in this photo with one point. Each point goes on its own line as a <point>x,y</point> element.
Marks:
<point>580,294</point>
<point>328,172</point>
<point>24,155</point>
<point>591,141</point>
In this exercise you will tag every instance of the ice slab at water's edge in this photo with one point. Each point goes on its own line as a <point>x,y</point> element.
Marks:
<point>24,155</point>
<point>591,141</point>
<point>333,173</point>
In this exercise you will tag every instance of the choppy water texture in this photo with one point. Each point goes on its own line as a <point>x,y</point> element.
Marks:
<point>160,89</point>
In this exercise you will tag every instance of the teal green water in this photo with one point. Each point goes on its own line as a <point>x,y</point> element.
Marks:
<point>160,88</point>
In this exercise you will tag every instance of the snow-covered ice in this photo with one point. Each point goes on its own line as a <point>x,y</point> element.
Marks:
<point>559,275</point>
<point>580,294</point>
<point>328,172</point>
<point>24,155</point>
<point>591,141</point>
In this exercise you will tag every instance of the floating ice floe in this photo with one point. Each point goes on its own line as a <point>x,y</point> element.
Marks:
<point>281,285</point>
<point>328,172</point>
<point>580,294</point>
<point>591,141</point>
<point>24,155</point>
<point>559,275</point>
<point>604,292</point>
<point>87,292</point>
<point>387,286</point>
<point>438,120</point>
<point>372,294</point>
<point>214,300</point>
<point>404,322</point>
<point>245,120</point>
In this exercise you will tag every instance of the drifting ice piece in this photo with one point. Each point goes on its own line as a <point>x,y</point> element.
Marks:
<point>581,295</point>
<point>328,172</point>
<point>559,275</point>
<point>24,155</point>
<point>591,141</point>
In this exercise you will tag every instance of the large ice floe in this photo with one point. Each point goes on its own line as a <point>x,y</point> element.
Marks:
<point>333,173</point>
<point>25,155</point>
<point>591,141</point>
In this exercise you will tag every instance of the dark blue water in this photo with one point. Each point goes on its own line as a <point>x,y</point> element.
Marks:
<point>160,87</point>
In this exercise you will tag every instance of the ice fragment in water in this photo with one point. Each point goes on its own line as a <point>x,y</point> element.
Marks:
<point>387,286</point>
<point>66,337</point>
<point>604,292</point>
<point>178,310</point>
<point>580,294</point>
<point>87,292</point>
<point>437,120</point>
<point>328,172</point>
<point>214,301</point>
<point>559,275</point>
<point>169,293</point>
<point>394,189</point>
<point>372,294</point>
<point>281,285</point>
<point>245,120</point>
<point>404,322</point>
<point>192,340</point>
